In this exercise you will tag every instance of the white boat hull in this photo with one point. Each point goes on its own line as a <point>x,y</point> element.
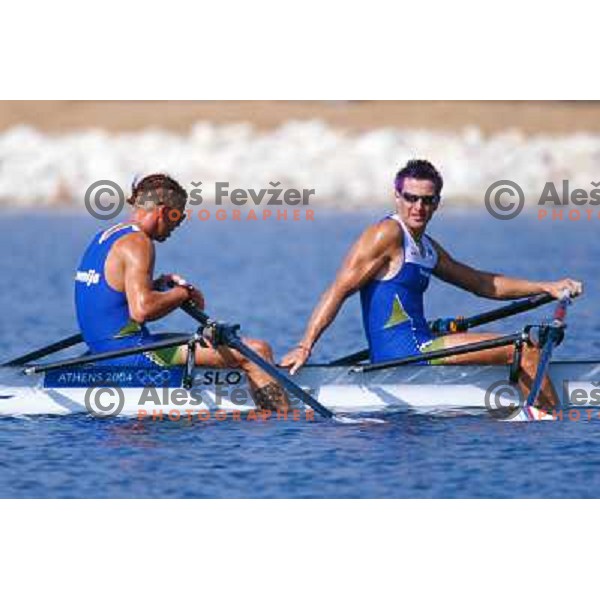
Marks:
<point>338,388</point>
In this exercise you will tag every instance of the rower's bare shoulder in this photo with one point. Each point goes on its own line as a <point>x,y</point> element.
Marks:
<point>382,236</point>
<point>135,246</point>
<point>135,241</point>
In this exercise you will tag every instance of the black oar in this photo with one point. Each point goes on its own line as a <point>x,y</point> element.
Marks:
<point>514,308</point>
<point>505,340</point>
<point>91,358</point>
<point>228,336</point>
<point>72,340</point>
<point>350,359</point>
<point>458,324</point>
<point>554,334</point>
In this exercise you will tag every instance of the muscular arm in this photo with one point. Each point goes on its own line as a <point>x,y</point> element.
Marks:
<point>367,257</point>
<point>482,283</point>
<point>136,255</point>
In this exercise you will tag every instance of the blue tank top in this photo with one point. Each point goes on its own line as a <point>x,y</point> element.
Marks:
<point>392,309</point>
<point>102,312</point>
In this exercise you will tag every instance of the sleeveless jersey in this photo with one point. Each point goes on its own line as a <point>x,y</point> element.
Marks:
<point>102,312</point>
<point>392,309</point>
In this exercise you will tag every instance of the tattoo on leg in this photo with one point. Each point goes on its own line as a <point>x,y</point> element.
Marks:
<point>271,397</point>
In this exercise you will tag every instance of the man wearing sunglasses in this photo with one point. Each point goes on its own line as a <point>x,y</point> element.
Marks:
<point>391,265</point>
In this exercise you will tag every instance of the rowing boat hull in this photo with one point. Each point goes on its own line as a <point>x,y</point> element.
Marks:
<point>338,388</point>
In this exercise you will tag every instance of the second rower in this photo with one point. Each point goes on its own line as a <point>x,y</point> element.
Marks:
<point>391,265</point>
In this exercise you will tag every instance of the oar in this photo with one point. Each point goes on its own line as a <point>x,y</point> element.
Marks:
<point>72,340</point>
<point>67,342</point>
<point>458,324</point>
<point>505,340</point>
<point>555,333</point>
<point>229,337</point>
<point>90,358</point>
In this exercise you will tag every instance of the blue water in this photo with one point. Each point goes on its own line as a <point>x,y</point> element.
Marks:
<point>268,276</point>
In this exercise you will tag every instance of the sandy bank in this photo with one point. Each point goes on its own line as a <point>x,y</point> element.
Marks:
<point>530,117</point>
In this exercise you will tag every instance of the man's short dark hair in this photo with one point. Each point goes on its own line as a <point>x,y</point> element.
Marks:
<point>419,169</point>
<point>157,189</point>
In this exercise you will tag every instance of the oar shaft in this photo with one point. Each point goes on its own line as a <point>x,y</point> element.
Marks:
<point>506,340</point>
<point>350,359</point>
<point>193,311</point>
<point>288,384</point>
<point>84,360</point>
<point>555,333</point>
<point>514,308</point>
<point>541,372</point>
<point>63,344</point>
<point>458,324</point>
<point>234,341</point>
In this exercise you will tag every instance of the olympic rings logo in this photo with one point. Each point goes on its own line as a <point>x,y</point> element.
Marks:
<point>153,378</point>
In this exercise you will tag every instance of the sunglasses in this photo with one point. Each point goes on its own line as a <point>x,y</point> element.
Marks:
<point>426,200</point>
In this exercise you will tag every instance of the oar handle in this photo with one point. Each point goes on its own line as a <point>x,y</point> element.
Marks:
<point>560,314</point>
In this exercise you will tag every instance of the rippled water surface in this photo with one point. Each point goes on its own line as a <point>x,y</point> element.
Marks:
<point>268,276</point>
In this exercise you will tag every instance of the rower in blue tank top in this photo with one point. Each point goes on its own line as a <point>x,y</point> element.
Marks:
<point>103,312</point>
<point>116,295</point>
<point>391,264</point>
<point>392,307</point>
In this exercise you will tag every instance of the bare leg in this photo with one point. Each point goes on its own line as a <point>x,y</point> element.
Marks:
<point>267,393</point>
<point>547,399</point>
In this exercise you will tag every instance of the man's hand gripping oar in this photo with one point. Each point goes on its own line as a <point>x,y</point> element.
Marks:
<point>224,334</point>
